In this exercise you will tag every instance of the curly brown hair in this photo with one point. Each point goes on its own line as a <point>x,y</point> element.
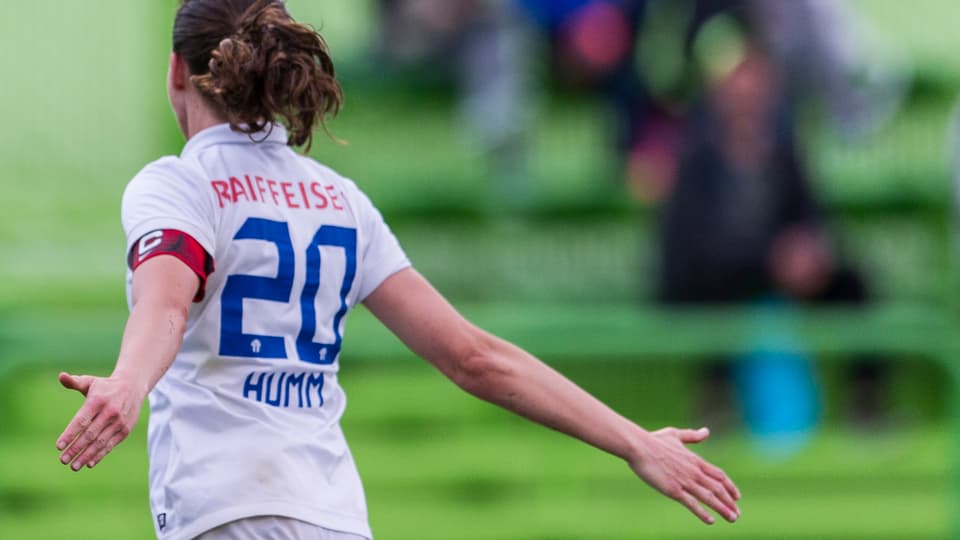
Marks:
<point>256,65</point>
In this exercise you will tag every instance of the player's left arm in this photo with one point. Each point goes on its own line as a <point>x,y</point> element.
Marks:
<point>502,373</point>
<point>163,289</point>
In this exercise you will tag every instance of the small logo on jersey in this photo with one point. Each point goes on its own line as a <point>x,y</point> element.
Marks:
<point>162,521</point>
<point>255,346</point>
<point>149,242</point>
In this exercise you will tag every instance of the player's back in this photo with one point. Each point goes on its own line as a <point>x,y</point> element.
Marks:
<point>253,398</point>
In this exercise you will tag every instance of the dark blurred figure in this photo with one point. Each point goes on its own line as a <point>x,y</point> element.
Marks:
<point>832,54</point>
<point>481,46</point>
<point>827,53</point>
<point>592,45</point>
<point>830,59</point>
<point>742,220</point>
<point>743,225</point>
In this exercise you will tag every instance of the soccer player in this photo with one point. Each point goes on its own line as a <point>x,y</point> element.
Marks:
<point>244,258</point>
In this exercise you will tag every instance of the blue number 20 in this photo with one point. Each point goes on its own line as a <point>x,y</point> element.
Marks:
<point>233,342</point>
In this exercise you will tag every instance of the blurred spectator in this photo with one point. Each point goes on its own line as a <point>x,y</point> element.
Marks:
<point>832,53</point>
<point>593,45</point>
<point>481,45</point>
<point>743,225</point>
<point>828,52</point>
<point>742,220</point>
<point>830,57</point>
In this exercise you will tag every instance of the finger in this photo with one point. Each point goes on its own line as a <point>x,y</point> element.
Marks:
<point>90,421</point>
<point>725,498</point>
<point>693,436</point>
<point>108,439</point>
<point>117,438</point>
<point>96,445</point>
<point>717,474</point>
<point>691,503</point>
<point>79,424</point>
<point>80,383</point>
<point>85,440</point>
<point>708,498</point>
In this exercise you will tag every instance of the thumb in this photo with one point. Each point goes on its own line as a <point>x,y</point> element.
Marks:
<point>80,383</point>
<point>693,436</point>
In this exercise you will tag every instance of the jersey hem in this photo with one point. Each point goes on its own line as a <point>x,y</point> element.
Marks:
<point>320,518</point>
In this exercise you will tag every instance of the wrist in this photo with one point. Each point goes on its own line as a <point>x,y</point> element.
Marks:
<point>133,381</point>
<point>638,444</point>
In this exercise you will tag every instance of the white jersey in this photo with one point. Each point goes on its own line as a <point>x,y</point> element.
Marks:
<point>246,421</point>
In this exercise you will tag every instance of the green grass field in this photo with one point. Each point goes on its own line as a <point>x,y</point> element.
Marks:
<point>438,464</point>
<point>429,454</point>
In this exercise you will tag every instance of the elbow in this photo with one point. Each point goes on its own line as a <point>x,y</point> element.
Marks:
<point>481,369</point>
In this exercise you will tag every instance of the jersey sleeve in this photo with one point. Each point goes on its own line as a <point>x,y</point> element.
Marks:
<point>380,253</point>
<point>165,196</point>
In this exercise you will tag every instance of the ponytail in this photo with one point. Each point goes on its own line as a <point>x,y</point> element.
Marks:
<point>257,66</point>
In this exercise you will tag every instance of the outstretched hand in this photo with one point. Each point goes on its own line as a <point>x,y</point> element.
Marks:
<point>108,415</point>
<point>669,467</point>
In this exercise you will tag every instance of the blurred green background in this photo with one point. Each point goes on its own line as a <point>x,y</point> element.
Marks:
<point>85,108</point>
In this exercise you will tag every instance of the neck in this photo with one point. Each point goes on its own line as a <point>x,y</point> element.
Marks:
<point>200,117</point>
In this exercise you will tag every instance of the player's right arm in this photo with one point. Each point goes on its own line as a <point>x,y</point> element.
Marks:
<point>502,373</point>
<point>169,218</point>
<point>163,289</point>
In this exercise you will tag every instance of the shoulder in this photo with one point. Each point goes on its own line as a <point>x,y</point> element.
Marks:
<point>168,186</point>
<point>328,174</point>
<point>169,173</point>
<point>168,194</point>
<point>165,167</point>
<point>356,198</point>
